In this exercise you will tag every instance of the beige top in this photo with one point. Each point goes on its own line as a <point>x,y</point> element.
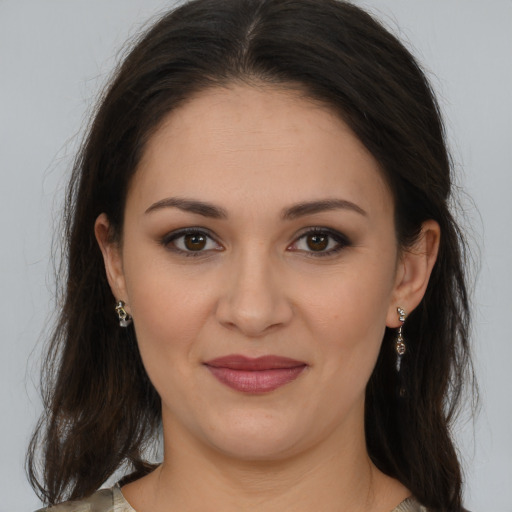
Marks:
<point>112,500</point>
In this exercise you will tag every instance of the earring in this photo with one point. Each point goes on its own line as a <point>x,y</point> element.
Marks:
<point>124,318</point>
<point>400,347</point>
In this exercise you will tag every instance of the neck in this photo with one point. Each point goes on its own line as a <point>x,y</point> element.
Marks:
<point>333,476</point>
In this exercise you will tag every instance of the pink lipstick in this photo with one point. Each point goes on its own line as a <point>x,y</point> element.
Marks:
<point>255,375</point>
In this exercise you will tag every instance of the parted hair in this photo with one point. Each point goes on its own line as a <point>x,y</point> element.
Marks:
<point>101,410</point>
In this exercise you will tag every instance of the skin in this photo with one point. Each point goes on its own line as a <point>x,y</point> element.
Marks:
<point>259,287</point>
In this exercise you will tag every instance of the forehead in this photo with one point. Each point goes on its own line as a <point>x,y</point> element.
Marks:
<point>251,141</point>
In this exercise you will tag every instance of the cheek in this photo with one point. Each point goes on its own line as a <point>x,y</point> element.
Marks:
<point>347,318</point>
<point>169,310</point>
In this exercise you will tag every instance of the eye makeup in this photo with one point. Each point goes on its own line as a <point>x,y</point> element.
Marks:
<point>198,242</point>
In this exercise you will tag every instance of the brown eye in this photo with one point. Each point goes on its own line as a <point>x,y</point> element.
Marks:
<point>191,242</point>
<point>195,241</point>
<point>320,241</point>
<point>317,242</point>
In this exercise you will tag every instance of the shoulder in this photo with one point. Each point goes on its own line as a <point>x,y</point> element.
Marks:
<point>410,505</point>
<point>100,501</point>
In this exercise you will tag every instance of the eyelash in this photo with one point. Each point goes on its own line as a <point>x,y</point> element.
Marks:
<point>167,241</point>
<point>341,240</point>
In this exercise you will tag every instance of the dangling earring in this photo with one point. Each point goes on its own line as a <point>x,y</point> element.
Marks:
<point>124,318</point>
<point>399,342</point>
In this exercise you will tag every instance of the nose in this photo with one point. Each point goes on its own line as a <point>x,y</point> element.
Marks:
<point>253,300</point>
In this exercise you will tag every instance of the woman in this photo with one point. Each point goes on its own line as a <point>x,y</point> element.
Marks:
<point>262,262</point>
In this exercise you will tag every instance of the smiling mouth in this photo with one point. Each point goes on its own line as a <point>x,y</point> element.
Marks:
<point>255,375</point>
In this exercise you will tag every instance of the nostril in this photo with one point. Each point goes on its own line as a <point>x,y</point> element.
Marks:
<point>253,319</point>
<point>253,299</point>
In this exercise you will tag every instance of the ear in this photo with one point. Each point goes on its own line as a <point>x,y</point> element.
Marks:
<point>111,257</point>
<point>413,272</point>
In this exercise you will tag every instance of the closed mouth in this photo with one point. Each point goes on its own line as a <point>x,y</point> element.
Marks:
<point>255,375</point>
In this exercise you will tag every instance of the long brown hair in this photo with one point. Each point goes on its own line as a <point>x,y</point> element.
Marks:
<point>101,409</point>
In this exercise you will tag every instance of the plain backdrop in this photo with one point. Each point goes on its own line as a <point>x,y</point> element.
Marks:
<point>54,57</point>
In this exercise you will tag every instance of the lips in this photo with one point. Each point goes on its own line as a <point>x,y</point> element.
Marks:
<point>255,375</point>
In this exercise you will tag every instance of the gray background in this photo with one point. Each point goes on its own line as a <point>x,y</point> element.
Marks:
<point>54,56</point>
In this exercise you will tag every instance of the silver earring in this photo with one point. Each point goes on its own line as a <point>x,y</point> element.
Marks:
<point>400,347</point>
<point>124,318</point>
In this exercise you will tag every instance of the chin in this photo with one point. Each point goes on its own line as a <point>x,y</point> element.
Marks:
<point>255,449</point>
<point>262,437</point>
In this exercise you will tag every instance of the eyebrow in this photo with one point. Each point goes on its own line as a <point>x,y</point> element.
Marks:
<point>190,205</point>
<point>293,212</point>
<point>312,207</point>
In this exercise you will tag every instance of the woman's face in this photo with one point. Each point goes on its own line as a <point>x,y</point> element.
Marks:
<point>258,226</point>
